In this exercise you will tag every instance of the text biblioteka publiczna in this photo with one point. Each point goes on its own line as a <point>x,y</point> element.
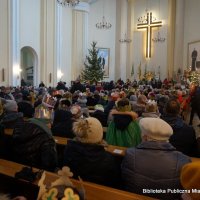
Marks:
<point>173,191</point>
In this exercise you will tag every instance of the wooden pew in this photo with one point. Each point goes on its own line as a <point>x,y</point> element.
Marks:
<point>195,159</point>
<point>8,131</point>
<point>115,150</point>
<point>93,191</point>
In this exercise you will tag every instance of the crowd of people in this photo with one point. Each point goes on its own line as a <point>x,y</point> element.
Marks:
<point>147,118</point>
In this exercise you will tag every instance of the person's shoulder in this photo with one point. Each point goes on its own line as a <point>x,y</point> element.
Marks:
<point>130,151</point>
<point>182,157</point>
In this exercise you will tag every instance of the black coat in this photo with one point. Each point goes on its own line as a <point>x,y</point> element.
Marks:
<point>62,124</point>
<point>10,119</point>
<point>33,146</point>
<point>184,137</point>
<point>100,115</point>
<point>92,163</point>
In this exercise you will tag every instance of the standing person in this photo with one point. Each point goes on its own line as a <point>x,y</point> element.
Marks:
<point>195,104</point>
<point>154,163</point>
<point>194,57</point>
<point>23,83</point>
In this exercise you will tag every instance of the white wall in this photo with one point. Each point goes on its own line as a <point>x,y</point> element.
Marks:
<point>29,28</point>
<point>104,38</point>
<point>159,50</point>
<point>191,26</point>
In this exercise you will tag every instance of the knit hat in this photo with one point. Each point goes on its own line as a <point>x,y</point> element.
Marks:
<point>10,106</point>
<point>88,130</point>
<point>190,178</point>
<point>155,128</point>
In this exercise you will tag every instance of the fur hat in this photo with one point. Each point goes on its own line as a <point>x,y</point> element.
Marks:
<point>190,178</point>
<point>10,106</point>
<point>155,128</point>
<point>88,130</point>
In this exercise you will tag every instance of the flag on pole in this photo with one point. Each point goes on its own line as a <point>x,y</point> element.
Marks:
<point>132,70</point>
<point>139,71</point>
<point>145,69</point>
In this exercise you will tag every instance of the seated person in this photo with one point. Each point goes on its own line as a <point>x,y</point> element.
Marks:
<point>155,163</point>
<point>25,107</point>
<point>100,115</point>
<point>123,130</point>
<point>87,157</point>
<point>62,123</point>
<point>139,106</point>
<point>34,145</point>
<point>151,110</point>
<point>184,137</point>
<point>11,114</point>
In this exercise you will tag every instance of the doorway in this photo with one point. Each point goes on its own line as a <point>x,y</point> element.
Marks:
<point>29,62</point>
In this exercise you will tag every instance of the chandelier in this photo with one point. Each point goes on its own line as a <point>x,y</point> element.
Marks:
<point>68,2</point>
<point>125,39</point>
<point>143,19</point>
<point>103,24</point>
<point>158,38</point>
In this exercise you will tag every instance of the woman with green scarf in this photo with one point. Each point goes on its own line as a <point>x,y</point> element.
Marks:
<point>123,130</point>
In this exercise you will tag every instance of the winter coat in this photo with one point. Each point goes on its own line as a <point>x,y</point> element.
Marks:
<point>92,163</point>
<point>10,119</point>
<point>62,124</point>
<point>123,131</point>
<point>184,137</point>
<point>153,165</point>
<point>100,115</point>
<point>34,145</point>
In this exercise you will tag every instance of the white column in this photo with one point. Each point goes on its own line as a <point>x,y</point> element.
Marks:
<point>130,34</point>
<point>80,39</point>
<point>15,63</point>
<point>58,26</point>
<point>179,36</point>
<point>121,48</point>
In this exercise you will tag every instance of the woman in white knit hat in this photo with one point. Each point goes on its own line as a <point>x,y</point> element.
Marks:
<point>154,164</point>
<point>87,157</point>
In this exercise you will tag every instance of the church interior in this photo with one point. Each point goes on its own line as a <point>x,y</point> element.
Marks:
<point>45,41</point>
<point>99,99</point>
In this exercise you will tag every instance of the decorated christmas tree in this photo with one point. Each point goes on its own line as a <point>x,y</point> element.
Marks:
<point>93,71</point>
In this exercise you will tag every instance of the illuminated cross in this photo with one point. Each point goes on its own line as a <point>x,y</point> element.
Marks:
<point>148,26</point>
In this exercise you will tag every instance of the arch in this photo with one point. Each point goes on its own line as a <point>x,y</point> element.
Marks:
<point>29,65</point>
